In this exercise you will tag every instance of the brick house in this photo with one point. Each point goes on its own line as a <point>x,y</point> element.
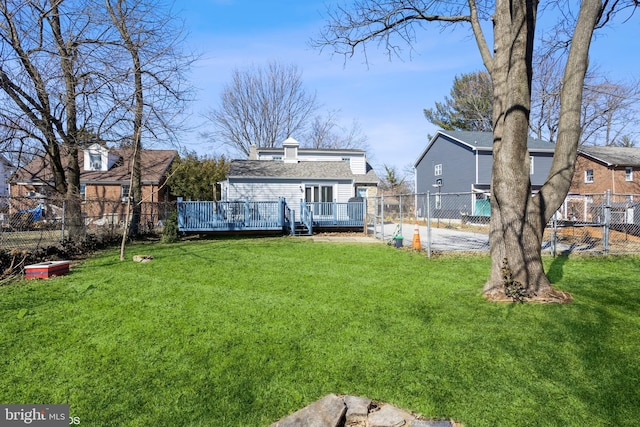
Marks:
<point>104,183</point>
<point>599,169</point>
<point>605,177</point>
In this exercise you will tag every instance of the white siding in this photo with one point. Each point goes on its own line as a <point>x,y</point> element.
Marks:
<point>357,161</point>
<point>358,165</point>
<point>345,192</point>
<point>265,191</point>
<point>292,191</point>
<point>4,176</point>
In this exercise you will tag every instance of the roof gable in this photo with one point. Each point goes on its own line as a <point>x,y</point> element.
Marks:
<point>481,141</point>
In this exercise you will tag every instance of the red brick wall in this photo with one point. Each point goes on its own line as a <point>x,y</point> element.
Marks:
<point>604,178</point>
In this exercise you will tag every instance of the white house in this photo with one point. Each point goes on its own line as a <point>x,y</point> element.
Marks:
<point>294,173</point>
<point>6,169</point>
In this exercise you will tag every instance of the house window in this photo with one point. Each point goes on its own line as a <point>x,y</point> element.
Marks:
<point>124,192</point>
<point>83,191</point>
<point>588,175</point>
<point>95,160</point>
<point>437,170</point>
<point>530,165</point>
<point>628,174</point>
<point>326,194</point>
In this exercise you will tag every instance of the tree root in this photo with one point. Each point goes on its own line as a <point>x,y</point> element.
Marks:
<point>546,296</point>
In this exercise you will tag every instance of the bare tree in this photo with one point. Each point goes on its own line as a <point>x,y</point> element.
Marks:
<point>262,106</point>
<point>609,109</point>
<point>64,74</point>
<point>47,84</point>
<point>518,218</point>
<point>326,132</point>
<point>152,80</point>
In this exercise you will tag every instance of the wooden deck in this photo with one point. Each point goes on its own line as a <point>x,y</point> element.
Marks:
<point>268,216</point>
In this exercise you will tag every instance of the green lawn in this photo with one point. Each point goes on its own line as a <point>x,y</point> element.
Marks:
<point>242,332</point>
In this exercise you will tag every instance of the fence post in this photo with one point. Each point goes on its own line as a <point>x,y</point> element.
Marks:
<point>401,214</point>
<point>607,221</point>
<point>428,224</point>
<point>382,216</point>
<point>64,210</point>
<point>554,237</point>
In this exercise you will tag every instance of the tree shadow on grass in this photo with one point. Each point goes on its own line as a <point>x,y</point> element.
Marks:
<point>556,269</point>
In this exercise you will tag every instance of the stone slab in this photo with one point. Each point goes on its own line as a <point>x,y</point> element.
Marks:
<point>357,409</point>
<point>326,412</point>
<point>390,416</point>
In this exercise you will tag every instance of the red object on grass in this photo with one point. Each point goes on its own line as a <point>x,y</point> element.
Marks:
<point>44,270</point>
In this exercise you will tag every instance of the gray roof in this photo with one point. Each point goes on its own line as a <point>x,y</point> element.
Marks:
<point>300,170</point>
<point>482,141</point>
<point>485,140</point>
<point>613,156</point>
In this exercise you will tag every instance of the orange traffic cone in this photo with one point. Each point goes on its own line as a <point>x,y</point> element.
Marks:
<point>416,238</point>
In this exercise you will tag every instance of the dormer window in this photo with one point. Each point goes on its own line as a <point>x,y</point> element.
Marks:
<point>95,161</point>
<point>99,158</point>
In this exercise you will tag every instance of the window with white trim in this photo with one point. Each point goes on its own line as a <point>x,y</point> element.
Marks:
<point>588,175</point>
<point>95,160</point>
<point>628,174</point>
<point>530,165</point>
<point>124,192</point>
<point>437,170</point>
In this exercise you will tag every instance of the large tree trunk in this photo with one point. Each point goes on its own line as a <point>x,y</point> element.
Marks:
<point>74,222</point>
<point>518,218</point>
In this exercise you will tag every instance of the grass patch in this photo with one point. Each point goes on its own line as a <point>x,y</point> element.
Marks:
<point>243,332</point>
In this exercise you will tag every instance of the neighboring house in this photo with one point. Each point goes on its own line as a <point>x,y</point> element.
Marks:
<point>461,162</point>
<point>294,173</point>
<point>599,169</point>
<point>6,169</point>
<point>104,182</point>
<point>602,169</point>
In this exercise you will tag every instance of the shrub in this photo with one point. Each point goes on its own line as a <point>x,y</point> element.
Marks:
<point>170,232</point>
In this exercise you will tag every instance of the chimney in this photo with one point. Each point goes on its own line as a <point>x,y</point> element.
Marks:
<point>253,152</point>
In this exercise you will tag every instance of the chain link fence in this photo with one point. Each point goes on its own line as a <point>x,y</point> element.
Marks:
<point>454,222</point>
<point>28,223</point>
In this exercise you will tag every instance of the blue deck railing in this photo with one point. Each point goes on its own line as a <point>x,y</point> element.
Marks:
<point>230,216</point>
<point>271,215</point>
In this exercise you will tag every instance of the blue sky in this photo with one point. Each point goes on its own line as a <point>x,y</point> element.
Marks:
<point>386,97</point>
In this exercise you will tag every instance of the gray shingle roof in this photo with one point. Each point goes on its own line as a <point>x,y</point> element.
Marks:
<point>613,156</point>
<point>485,140</point>
<point>300,170</point>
